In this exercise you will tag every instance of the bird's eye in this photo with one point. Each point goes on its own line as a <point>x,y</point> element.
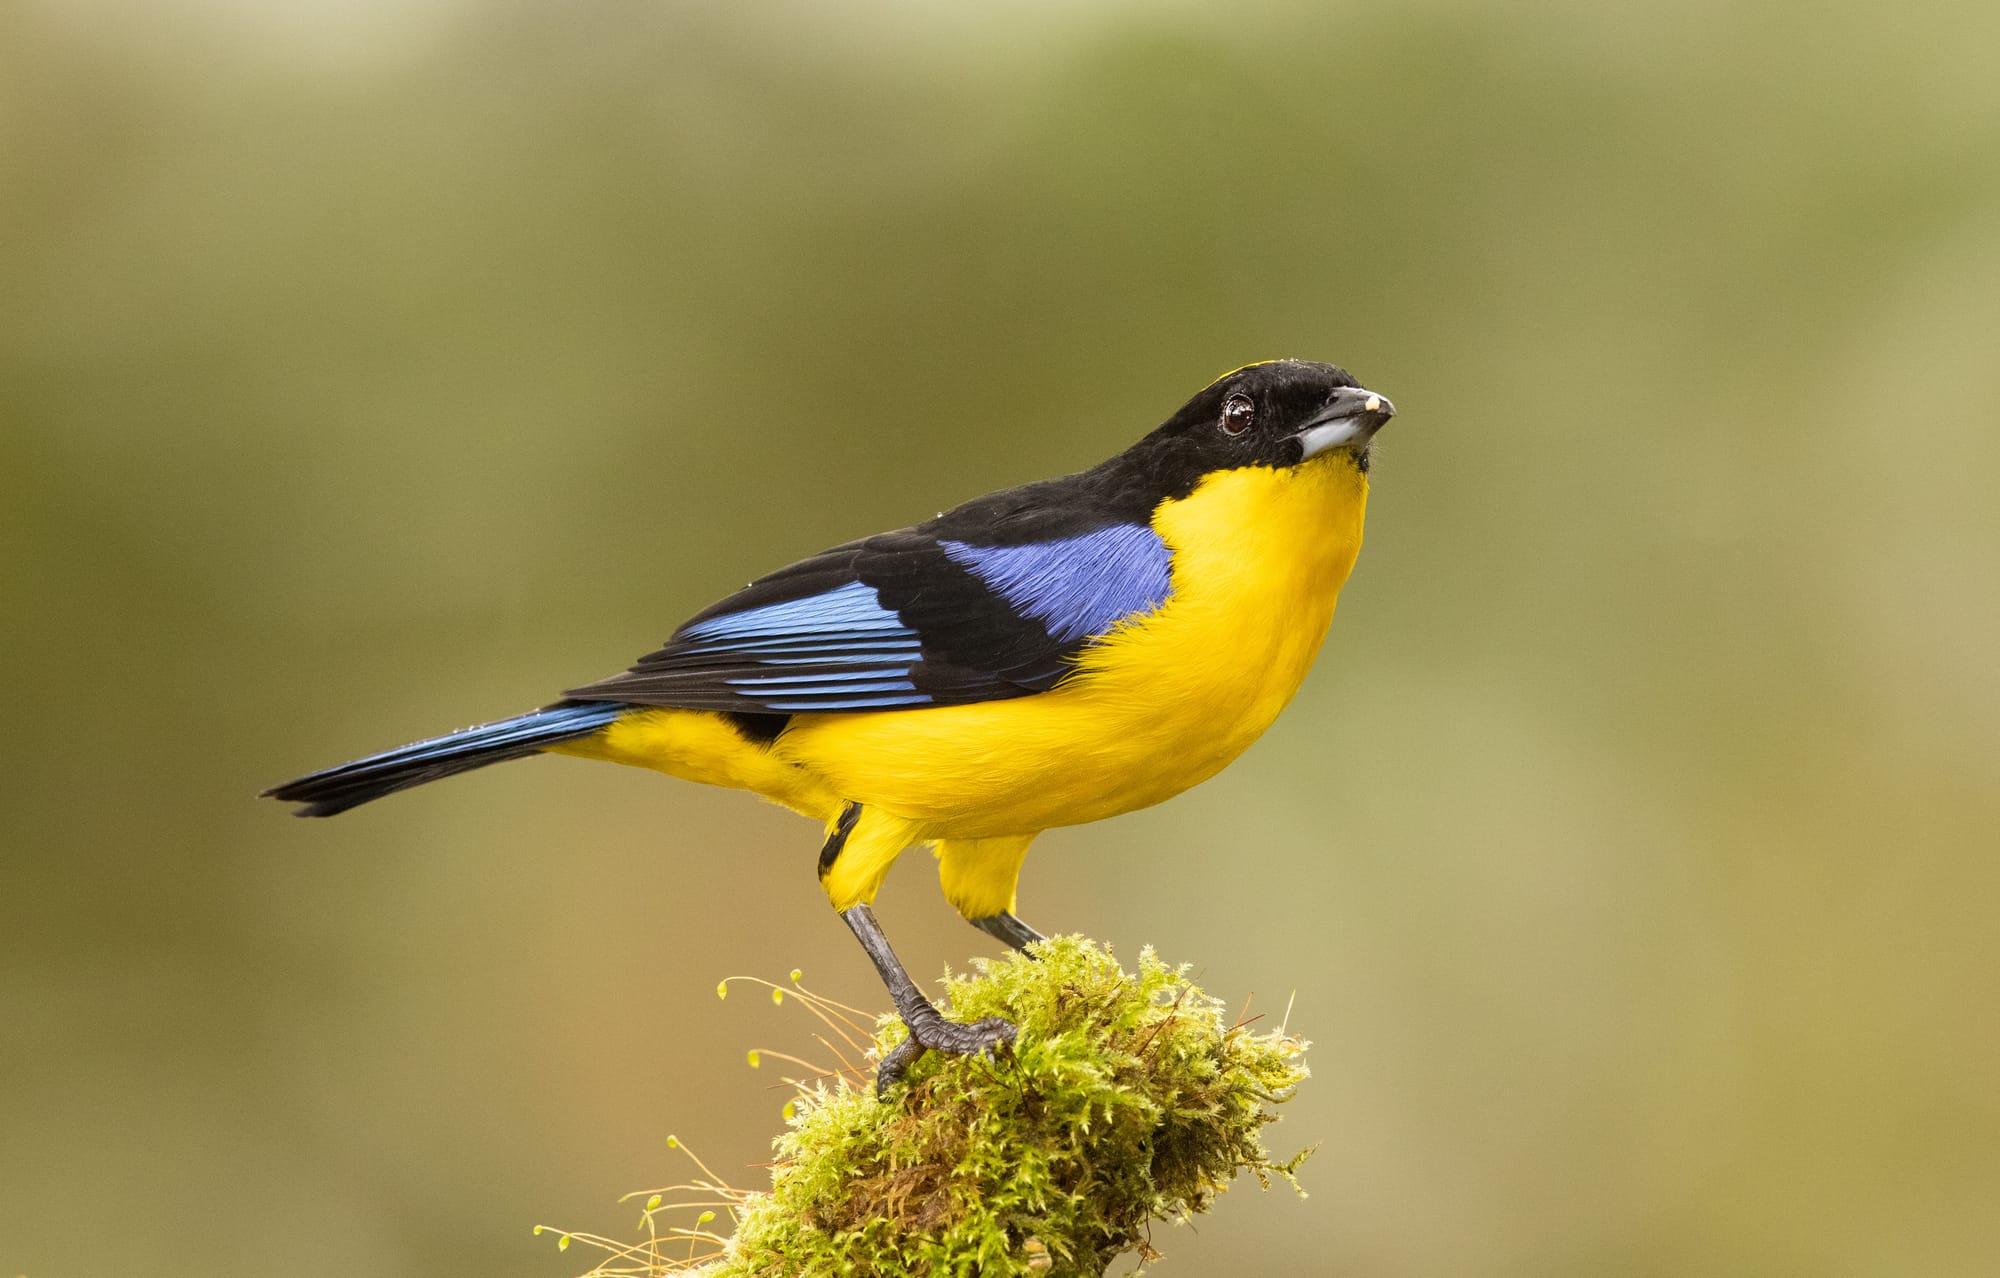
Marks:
<point>1237,414</point>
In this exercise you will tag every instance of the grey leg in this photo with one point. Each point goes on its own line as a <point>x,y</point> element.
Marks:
<point>928,1026</point>
<point>1005,927</point>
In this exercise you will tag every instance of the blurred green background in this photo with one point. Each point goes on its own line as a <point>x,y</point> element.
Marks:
<point>369,369</point>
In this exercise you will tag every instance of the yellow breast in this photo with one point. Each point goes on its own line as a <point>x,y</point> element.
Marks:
<point>1162,704</point>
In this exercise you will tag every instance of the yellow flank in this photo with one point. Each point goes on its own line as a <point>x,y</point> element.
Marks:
<point>700,745</point>
<point>1162,704</point>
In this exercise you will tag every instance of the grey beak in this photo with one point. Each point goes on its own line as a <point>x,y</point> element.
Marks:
<point>1349,420</point>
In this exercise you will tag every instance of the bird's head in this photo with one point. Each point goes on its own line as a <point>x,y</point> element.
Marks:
<point>1279,414</point>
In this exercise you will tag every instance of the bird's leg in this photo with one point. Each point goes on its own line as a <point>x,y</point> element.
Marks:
<point>928,1026</point>
<point>1005,927</point>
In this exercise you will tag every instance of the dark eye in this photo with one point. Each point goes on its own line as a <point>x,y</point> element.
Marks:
<point>1237,414</point>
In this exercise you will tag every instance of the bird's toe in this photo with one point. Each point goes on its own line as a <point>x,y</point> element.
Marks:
<point>955,1038</point>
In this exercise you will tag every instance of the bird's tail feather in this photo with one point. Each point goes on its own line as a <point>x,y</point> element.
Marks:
<point>351,784</point>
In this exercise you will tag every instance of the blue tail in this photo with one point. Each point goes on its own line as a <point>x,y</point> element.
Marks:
<point>352,784</point>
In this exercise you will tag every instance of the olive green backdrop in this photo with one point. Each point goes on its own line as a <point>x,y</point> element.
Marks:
<point>371,369</point>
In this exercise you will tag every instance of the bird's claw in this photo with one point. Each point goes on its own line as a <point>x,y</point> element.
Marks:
<point>954,1038</point>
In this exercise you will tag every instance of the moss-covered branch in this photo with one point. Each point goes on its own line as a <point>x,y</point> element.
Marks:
<point>1128,1098</point>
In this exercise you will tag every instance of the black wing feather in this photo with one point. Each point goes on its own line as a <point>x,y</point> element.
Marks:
<point>990,601</point>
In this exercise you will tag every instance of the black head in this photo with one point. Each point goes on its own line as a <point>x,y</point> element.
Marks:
<point>1275,414</point>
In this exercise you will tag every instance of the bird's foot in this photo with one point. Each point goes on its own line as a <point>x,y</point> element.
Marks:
<point>928,1026</point>
<point>934,1032</point>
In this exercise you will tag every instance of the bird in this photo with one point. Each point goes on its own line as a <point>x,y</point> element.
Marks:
<point>1043,656</point>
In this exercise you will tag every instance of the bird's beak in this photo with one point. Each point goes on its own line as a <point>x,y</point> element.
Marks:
<point>1349,420</point>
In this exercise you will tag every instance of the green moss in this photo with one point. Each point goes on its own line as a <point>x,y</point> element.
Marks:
<point>1128,1098</point>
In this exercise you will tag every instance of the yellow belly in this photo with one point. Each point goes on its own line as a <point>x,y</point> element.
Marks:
<point>1162,705</point>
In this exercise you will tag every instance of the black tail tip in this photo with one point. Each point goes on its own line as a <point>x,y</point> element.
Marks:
<point>304,809</point>
<point>308,806</point>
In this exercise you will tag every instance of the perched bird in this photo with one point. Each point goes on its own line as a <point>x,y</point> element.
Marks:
<point>1043,656</point>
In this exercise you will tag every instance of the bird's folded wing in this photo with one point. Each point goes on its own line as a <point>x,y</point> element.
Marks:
<point>904,620</point>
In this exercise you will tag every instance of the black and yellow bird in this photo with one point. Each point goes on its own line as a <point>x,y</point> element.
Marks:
<point>1039,657</point>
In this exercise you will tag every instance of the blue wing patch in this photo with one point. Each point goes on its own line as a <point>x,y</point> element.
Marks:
<point>856,653</point>
<point>1079,586</point>
<point>844,610</point>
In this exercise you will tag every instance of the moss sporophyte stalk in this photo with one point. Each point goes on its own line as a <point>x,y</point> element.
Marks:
<point>1128,1098</point>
